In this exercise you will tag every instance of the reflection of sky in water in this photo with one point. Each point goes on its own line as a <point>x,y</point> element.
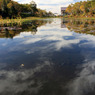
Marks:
<point>54,59</point>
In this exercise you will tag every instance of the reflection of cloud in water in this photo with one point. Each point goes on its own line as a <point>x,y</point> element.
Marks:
<point>57,45</point>
<point>4,44</point>
<point>54,46</point>
<point>29,41</point>
<point>90,40</point>
<point>22,35</point>
<point>85,82</point>
<point>20,81</point>
<point>2,65</point>
<point>65,43</point>
<point>55,36</point>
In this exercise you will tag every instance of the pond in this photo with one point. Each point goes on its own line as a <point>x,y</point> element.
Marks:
<point>48,57</point>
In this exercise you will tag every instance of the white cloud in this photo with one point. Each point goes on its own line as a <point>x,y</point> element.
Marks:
<point>46,1</point>
<point>50,5</point>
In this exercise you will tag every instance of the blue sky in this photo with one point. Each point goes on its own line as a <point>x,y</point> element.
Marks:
<point>51,5</point>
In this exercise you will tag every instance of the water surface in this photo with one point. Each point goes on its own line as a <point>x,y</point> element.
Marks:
<point>48,57</point>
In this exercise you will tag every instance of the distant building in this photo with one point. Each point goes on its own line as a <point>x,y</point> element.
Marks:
<point>63,11</point>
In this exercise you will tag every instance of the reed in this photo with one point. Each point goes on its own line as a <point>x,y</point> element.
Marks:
<point>18,20</point>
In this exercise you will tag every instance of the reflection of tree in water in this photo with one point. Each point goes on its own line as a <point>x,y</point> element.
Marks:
<point>81,26</point>
<point>10,32</point>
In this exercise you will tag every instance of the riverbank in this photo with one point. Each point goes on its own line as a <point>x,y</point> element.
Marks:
<point>18,20</point>
<point>93,18</point>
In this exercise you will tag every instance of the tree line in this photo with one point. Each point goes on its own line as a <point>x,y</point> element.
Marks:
<point>82,8</point>
<point>12,9</point>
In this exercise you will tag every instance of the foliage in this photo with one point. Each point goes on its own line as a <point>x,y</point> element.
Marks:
<point>82,8</point>
<point>12,9</point>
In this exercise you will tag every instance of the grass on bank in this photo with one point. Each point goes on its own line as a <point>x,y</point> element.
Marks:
<point>79,17</point>
<point>83,18</point>
<point>18,20</point>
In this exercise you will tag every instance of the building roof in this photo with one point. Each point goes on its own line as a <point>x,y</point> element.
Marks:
<point>63,8</point>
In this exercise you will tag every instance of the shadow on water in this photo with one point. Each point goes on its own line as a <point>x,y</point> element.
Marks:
<point>54,61</point>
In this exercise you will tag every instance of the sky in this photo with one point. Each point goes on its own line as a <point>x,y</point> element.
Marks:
<point>51,5</point>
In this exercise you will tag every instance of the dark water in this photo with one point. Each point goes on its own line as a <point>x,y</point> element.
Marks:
<point>48,57</point>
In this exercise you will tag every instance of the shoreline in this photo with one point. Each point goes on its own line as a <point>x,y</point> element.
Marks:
<point>89,18</point>
<point>21,20</point>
